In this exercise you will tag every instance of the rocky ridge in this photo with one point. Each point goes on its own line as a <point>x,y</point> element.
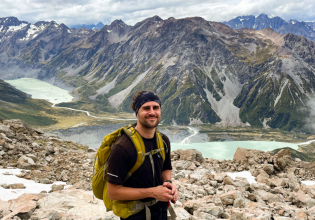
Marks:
<point>207,189</point>
<point>212,73</point>
<point>281,26</point>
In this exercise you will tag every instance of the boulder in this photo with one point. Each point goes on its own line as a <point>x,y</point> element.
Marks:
<point>243,155</point>
<point>27,163</point>
<point>229,197</point>
<point>191,155</point>
<point>22,207</point>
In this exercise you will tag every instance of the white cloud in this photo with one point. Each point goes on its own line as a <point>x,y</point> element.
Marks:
<point>72,12</point>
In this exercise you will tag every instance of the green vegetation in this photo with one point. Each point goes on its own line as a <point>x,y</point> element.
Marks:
<point>209,84</point>
<point>217,81</point>
<point>264,49</point>
<point>304,156</point>
<point>257,103</point>
<point>32,119</point>
<point>15,104</point>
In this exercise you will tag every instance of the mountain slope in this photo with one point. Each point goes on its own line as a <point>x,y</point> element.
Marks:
<point>16,104</point>
<point>205,72</point>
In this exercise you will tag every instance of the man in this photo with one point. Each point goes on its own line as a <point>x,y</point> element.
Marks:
<point>143,184</point>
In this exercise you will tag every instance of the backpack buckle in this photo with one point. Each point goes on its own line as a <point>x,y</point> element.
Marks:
<point>155,151</point>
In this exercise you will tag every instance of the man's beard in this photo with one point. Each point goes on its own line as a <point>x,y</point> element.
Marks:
<point>145,123</point>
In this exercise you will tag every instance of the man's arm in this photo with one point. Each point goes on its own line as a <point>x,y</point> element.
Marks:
<point>119,192</point>
<point>167,175</point>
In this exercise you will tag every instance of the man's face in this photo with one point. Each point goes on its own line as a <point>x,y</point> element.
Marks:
<point>149,114</point>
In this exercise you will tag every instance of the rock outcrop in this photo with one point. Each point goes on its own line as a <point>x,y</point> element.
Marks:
<point>208,188</point>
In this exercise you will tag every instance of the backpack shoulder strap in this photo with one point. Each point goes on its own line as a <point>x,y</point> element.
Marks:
<point>137,141</point>
<point>160,144</point>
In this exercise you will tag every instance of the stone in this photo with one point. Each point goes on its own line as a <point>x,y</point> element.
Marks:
<point>27,163</point>
<point>228,181</point>
<point>204,215</point>
<point>269,197</point>
<point>183,165</point>
<point>300,215</point>
<point>16,186</point>
<point>212,209</point>
<point>303,200</point>
<point>191,155</point>
<point>242,154</point>
<point>268,168</point>
<point>182,213</point>
<point>205,189</point>
<point>23,206</point>
<point>6,130</point>
<point>229,197</point>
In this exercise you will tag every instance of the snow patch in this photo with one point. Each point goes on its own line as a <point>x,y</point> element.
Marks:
<point>16,28</point>
<point>244,174</point>
<point>32,32</point>
<point>308,183</point>
<point>8,176</point>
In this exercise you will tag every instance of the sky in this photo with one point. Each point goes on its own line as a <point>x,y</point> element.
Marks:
<point>73,12</point>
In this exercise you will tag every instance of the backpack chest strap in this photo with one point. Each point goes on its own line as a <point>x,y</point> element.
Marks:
<point>150,153</point>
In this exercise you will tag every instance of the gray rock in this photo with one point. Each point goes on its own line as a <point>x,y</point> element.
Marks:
<point>27,163</point>
<point>229,197</point>
<point>268,168</point>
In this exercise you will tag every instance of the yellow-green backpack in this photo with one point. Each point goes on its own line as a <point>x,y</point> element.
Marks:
<point>120,208</point>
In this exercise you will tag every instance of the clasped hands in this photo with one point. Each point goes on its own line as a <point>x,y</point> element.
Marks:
<point>166,192</point>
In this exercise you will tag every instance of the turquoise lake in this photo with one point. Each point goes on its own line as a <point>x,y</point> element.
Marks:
<point>216,150</point>
<point>41,90</point>
<point>226,149</point>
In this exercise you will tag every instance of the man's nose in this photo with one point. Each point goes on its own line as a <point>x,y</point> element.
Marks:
<point>151,111</point>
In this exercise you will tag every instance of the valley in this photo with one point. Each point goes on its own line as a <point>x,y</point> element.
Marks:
<point>205,72</point>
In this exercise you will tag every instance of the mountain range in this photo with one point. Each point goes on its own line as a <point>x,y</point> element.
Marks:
<point>205,72</point>
<point>302,28</point>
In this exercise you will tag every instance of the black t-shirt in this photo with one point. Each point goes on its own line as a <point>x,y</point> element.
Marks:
<point>123,158</point>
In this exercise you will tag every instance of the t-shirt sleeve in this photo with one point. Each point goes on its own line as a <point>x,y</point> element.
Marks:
<point>118,165</point>
<point>167,163</point>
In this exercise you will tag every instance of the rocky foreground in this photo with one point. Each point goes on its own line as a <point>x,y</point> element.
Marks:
<point>206,189</point>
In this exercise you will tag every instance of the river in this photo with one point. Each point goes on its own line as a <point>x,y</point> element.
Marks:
<point>93,135</point>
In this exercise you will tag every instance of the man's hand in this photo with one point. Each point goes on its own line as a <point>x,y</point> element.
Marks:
<point>173,189</point>
<point>162,193</point>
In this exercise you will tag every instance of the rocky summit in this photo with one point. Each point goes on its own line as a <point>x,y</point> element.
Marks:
<point>208,188</point>
<point>276,23</point>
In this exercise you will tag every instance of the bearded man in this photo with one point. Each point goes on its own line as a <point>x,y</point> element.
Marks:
<point>151,183</point>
